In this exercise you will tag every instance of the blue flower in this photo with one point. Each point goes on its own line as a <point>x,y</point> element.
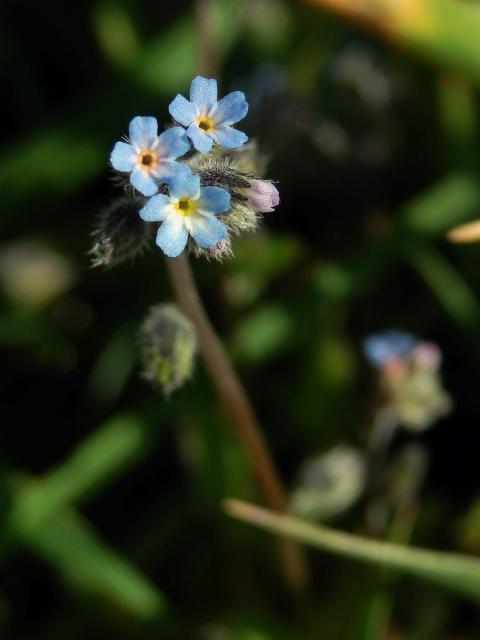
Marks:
<point>148,157</point>
<point>381,348</point>
<point>188,209</point>
<point>207,120</point>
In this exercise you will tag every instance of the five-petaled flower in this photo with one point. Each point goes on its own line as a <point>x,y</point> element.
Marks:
<point>149,157</point>
<point>188,209</point>
<point>207,120</point>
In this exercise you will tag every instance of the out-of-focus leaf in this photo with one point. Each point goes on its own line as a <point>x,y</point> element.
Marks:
<point>33,329</point>
<point>113,366</point>
<point>449,202</point>
<point>258,259</point>
<point>69,544</point>
<point>262,333</point>
<point>55,161</point>
<point>172,57</point>
<point>109,451</point>
<point>451,290</point>
<point>116,34</point>
<point>469,528</point>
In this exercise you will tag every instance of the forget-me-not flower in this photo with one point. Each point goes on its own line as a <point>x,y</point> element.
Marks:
<point>382,348</point>
<point>208,120</point>
<point>149,157</point>
<point>188,210</point>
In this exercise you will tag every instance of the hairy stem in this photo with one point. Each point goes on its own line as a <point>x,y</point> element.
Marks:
<point>239,409</point>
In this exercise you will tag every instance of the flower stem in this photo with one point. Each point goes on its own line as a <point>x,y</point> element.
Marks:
<point>205,21</point>
<point>238,407</point>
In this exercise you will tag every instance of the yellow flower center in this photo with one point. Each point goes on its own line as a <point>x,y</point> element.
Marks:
<point>147,158</point>
<point>205,123</point>
<point>185,206</point>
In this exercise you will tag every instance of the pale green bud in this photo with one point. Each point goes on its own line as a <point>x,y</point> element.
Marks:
<point>168,347</point>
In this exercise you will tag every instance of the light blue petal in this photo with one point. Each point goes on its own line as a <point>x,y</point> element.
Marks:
<point>166,171</point>
<point>172,237</point>
<point>143,182</point>
<point>201,140</point>
<point>229,137</point>
<point>382,347</point>
<point>154,210</point>
<point>214,200</point>
<point>123,157</point>
<point>171,170</point>
<point>143,131</point>
<point>185,185</point>
<point>182,110</point>
<point>207,231</point>
<point>173,143</point>
<point>203,93</point>
<point>232,108</point>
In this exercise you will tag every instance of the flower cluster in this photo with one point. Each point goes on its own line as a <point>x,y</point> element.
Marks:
<point>192,177</point>
<point>410,377</point>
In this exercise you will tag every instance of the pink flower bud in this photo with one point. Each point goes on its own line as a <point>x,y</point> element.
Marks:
<point>220,250</point>
<point>427,354</point>
<point>262,195</point>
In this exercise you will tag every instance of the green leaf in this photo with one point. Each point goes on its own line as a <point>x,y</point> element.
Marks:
<point>109,451</point>
<point>70,545</point>
<point>449,287</point>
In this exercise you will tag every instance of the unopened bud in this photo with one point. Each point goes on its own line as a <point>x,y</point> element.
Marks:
<point>262,195</point>
<point>121,234</point>
<point>219,251</point>
<point>329,484</point>
<point>168,347</point>
<point>426,355</point>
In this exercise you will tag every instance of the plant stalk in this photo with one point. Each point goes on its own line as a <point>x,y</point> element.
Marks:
<point>239,409</point>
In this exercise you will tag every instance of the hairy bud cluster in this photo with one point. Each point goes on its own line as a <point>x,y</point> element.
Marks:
<point>120,234</point>
<point>227,171</point>
<point>169,346</point>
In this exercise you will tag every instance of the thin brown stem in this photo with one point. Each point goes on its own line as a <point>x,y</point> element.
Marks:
<point>205,18</point>
<point>239,409</point>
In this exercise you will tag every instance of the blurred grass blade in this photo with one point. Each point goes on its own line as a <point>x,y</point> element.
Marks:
<point>449,202</point>
<point>109,451</point>
<point>57,170</point>
<point>442,31</point>
<point>449,287</point>
<point>115,33</point>
<point>114,365</point>
<point>459,573</point>
<point>70,545</point>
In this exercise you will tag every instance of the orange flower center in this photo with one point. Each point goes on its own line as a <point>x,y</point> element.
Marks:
<point>147,159</point>
<point>205,123</point>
